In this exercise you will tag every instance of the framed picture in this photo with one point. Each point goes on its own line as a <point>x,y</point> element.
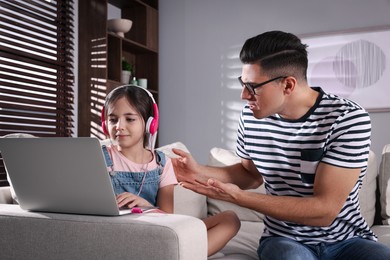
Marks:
<point>352,64</point>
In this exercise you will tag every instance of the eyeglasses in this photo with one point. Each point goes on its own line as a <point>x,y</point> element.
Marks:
<point>251,87</point>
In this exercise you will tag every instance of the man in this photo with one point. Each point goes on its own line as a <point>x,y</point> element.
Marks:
<point>310,150</point>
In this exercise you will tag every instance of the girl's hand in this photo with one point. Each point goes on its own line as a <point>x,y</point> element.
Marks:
<point>129,200</point>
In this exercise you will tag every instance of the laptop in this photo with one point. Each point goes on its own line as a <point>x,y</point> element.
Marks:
<point>60,174</point>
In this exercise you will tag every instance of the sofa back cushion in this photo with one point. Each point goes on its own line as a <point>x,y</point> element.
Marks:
<point>186,202</point>
<point>5,195</point>
<point>15,135</point>
<point>384,185</point>
<point>222,157</point>
<point>367,193</point>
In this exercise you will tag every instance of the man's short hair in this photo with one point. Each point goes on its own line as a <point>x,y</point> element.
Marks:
<point>278,53</point>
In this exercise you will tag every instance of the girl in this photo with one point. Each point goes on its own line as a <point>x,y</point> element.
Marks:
<point>141,176</point>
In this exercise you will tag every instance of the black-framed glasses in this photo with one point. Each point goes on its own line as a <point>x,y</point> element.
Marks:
<point>251,87</point>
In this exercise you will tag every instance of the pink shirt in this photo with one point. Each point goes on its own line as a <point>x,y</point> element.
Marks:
<point>122,164</point>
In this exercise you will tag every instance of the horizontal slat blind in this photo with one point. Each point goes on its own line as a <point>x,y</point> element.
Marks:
<point>36,68</point>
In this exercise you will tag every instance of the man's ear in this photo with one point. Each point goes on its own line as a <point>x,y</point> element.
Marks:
<point>289,85</point>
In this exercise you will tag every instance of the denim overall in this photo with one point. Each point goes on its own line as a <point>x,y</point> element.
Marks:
<point>132,181</point>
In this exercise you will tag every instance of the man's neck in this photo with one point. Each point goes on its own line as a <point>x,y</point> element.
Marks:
<point>300,102</point>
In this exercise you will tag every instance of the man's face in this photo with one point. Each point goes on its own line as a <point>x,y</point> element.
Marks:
<point>268,99</point>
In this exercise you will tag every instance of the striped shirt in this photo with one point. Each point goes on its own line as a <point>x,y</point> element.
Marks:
<point>335,131</point>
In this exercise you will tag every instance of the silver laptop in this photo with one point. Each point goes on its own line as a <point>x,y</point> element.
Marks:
<point>60,174</point>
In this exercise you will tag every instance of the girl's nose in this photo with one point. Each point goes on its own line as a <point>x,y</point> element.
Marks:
<point>119,124</point>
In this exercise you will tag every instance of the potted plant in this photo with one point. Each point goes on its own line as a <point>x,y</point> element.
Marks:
<point>126,71</point>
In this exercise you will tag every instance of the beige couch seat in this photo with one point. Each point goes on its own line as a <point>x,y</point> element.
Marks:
<point>178,236</point>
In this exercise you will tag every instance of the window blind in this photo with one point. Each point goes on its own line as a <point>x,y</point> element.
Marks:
<point>36,68</point>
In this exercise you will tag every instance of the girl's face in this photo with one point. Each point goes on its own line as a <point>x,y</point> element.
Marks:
<point>125,124</point>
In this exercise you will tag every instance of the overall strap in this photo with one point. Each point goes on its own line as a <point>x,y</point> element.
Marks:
<point>107,156</point>
<point>160,158</point>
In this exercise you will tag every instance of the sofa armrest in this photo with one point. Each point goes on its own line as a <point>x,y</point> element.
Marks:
<point>36,235</point>
<point>5,195</point>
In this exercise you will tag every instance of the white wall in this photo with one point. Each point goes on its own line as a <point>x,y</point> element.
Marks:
<point>199,45</point>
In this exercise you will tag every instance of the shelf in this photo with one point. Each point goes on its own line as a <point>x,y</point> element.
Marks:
<point>139,46</point>
<point>111,84</point>
<point>145,24</point>
<point>124,3</point>
<point>131,45</point>
<point>144,60</point>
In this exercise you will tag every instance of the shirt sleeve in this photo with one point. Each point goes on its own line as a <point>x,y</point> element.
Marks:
<point>349,145</point>
<point>168,176</point>
<point>240,147</point>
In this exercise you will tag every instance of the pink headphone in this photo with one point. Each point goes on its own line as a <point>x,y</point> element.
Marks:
<point>152,122</point>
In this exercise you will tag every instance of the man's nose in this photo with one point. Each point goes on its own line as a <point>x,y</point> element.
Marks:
<point>245,94</point>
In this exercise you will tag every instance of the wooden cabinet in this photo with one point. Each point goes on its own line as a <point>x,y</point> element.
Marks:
<point>139,46</point>
<point>101,52</point>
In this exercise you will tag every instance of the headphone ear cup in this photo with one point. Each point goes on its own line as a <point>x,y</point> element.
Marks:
<point>155,122</point>
<point>151,125</point>
<point>103,118</point>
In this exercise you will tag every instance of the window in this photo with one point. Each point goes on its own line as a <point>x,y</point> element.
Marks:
<point>36,68</point>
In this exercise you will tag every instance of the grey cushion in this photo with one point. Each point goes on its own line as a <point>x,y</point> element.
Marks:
<point>29,235</point>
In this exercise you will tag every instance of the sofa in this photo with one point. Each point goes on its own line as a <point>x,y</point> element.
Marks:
<point>34,235</point>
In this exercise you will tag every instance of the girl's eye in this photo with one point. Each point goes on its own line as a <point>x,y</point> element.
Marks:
<point>112,120</point>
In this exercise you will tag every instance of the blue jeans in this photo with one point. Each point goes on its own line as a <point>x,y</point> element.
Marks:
<point>355,248</point>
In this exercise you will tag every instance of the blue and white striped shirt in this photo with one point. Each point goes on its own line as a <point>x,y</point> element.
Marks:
<point>335,131</point>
